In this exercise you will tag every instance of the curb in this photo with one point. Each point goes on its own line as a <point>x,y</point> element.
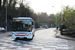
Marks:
<point>57,35</point>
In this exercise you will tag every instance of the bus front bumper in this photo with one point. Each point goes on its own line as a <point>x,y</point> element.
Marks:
<point>21,36</point>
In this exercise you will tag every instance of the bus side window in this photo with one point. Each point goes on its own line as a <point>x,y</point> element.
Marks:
<point>32,23</point>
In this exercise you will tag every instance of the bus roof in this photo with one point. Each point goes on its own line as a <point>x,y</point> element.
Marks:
<point>23,18</point>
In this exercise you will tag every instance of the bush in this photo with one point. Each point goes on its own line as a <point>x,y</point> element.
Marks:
<point>62,27</point>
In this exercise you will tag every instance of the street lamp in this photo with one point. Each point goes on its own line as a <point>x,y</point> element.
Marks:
<point>56,20</point>
<point>61,19</point>
<point>0,8</point>
<point>61,14</point>
<point>21,7</point>
<point>38,21</point>
<point>6,18</point>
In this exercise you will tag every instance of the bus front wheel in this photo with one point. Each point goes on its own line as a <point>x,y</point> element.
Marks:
<point>16,38</point>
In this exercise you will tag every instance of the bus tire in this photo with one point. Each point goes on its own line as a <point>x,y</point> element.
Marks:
<point>16,38</point>
<point>31,39</point>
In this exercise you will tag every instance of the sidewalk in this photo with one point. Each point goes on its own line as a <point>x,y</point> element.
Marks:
<point>58,35</point>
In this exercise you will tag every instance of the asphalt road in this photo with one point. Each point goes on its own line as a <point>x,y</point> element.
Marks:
<point>44,40</point>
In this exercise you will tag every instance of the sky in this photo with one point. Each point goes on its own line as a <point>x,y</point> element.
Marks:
<point>49,6</point>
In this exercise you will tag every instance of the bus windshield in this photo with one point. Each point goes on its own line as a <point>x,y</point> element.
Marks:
<point>22,26</point>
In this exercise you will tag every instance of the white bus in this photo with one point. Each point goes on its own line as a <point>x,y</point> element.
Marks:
<point>23,27</point>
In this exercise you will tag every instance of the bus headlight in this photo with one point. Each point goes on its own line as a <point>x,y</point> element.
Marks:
<point>29,34</point>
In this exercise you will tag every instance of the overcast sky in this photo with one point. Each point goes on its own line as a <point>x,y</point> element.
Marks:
<point>46,5</point>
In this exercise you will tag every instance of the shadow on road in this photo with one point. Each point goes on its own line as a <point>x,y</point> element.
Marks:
<point>22,40</point>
